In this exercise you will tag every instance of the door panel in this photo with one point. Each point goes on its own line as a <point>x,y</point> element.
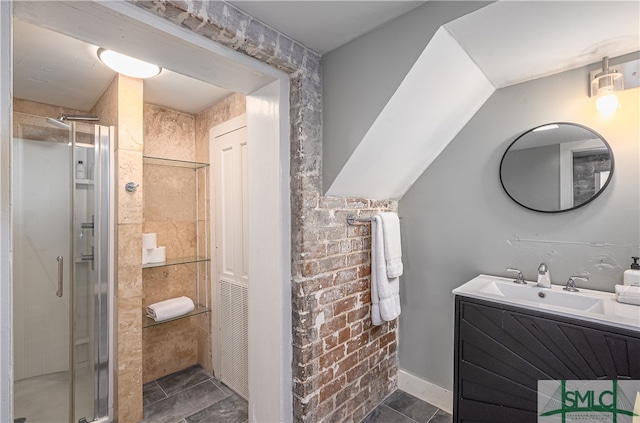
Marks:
<point>42,318</point>
<point>41,233</point>
<point>229,157</point>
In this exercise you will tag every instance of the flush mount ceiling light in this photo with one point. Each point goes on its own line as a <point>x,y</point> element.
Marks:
<point>604,86</point>
<point>128,65</point>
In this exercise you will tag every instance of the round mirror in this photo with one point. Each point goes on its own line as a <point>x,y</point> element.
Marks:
<point>556,167</point>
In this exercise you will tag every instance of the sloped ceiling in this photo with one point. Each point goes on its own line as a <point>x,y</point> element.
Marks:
<point>502,44</point>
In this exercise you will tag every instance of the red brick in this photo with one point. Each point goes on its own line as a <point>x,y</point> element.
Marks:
<point>310,268</point>
<point>368,350</point>
<point>356,329</point>
<point>347,364</point>
<point>331,203</point>
<point>364,270</point>
<point>329,359</point>
<point>333,248</point>
<point>392,347</point>
<point>331,264</point>
<point>330,342</point>
<point>387,339</point>
<point>313,250</point>
<point>332,294</point>
<point>357,203</point>
<point>365,297</point>
<point>333,325</point>
<point>358,342</point>
<point>358,314</point>
<point>343,335</point>
<point>357,286</point>
<point>344,305</point>
<point>342,276</point>
<point>377,358</point>
<point>358,371</point>
<point>357,244</point>
<point>358,258</point>
<point>358,231</point>
<point>331,388</point>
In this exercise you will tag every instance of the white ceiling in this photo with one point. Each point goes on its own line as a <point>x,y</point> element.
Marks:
<point>52,68</point>
<point>56,69</point>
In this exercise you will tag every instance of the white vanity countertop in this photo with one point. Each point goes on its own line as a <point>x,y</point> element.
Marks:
<point>588,305</point>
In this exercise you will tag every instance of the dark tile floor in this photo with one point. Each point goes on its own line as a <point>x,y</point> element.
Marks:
<point>401,407</point>
<point>192,396</point>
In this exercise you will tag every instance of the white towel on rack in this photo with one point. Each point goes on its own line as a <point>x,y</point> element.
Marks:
<point>392,245</point>
<point>385,291</point>
<point>169,309</point>
<point>628,294</point>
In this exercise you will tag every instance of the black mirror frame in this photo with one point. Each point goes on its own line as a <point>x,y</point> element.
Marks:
<point>596,195</point>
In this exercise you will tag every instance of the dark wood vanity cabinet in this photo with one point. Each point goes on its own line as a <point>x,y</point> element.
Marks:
<point>501,352</point>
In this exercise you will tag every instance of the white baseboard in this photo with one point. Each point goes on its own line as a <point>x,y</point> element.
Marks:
<point>426,391</point>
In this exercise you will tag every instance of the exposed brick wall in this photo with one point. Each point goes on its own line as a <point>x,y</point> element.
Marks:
<point>342,367</point>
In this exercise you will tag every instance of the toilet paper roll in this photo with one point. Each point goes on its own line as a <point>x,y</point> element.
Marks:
<point>158,255</point>
<point>145,256</point>
<point>149,241</point>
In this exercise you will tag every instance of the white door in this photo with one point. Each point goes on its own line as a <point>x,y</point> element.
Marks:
<point>228,153</point>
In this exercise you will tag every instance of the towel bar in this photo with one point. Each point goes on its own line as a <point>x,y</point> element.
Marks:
<point>352,220</point>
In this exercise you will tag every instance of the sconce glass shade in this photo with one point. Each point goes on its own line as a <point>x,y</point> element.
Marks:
<point>604,86</point>
<point>607,104</point>
<point>128,66</point>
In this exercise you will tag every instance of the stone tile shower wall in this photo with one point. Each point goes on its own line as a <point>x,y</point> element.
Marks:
<point>342,367</point>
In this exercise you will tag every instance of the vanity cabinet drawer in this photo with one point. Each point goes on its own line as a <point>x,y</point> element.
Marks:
<point>502,351</point>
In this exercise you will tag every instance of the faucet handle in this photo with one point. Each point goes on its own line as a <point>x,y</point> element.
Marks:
<point>571,283</point>
<point>519,278</point>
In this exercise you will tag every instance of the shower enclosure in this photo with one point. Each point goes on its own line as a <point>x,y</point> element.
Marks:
<point>61,213</point>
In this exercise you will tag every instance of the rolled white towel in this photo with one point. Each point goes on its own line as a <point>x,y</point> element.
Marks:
<point>628,294</point>
<point>169,309</point>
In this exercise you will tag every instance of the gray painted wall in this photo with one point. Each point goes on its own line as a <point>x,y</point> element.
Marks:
<point>459,223</point>
<point>361,76</point>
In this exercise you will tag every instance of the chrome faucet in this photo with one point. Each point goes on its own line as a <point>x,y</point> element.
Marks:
<point>520,278</point>
<point>571,283</point>
<point>544,277</point>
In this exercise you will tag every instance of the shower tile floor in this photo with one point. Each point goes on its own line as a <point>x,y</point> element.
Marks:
<point>45,398</point>
<point>192,396</point>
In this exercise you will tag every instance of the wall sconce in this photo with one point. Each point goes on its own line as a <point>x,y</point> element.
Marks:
<point>607,82</point>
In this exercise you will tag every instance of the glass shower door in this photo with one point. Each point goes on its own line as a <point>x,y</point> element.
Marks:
<point>42,271</point>
<point>61,275</point>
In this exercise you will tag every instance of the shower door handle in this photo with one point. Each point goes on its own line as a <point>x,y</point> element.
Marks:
<point>60,275</point>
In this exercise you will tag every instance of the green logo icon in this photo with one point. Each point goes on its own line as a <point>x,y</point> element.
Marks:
<point>596,401</point>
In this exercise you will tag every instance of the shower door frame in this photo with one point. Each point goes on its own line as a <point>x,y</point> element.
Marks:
<point>104,140</point>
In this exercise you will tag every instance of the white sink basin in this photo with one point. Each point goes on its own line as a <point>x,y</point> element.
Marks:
<point>587,304</point>
<point>544,296</point>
